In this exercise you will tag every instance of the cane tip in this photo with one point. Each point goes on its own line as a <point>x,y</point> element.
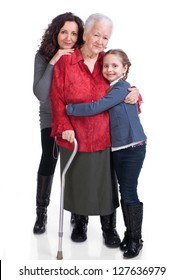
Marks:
<point>59,255</point>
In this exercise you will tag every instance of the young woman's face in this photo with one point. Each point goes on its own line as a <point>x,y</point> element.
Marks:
<point>97,38</point>
<point>113,68</point>
<point>68,35</point>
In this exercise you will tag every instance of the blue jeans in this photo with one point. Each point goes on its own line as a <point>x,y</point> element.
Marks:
<point>127,164</point>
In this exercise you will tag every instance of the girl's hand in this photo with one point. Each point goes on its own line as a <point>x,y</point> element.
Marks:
<point>59,54</point>
<point>132,97</point>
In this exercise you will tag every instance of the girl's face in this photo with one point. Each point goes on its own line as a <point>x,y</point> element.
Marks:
<point>113,68</point>
<point>68,35</point>
<point>97,38</point>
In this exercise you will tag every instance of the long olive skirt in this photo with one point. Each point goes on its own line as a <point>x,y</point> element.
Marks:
<point>90,183</point>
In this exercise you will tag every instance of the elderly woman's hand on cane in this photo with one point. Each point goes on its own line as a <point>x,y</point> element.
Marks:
<point>68,135</point>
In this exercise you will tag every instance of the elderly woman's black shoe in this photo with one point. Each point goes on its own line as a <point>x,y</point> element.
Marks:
<point>79,233</point>
<point>109,232</point>
<point>111,238</point>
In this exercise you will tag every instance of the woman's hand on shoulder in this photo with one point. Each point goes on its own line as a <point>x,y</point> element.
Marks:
<point>59,54</point>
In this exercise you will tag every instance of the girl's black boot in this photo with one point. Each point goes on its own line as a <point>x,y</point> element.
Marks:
<point>135,243</point>
<point>124,243</point>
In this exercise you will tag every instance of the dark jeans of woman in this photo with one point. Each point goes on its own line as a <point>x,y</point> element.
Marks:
<point>128,163</point>
<point>49,156</point>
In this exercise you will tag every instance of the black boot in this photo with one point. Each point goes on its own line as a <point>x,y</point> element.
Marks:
<point>44,184</point>
<point>135,243</point>
<point>110,234</point>
<point>124,243</point>
<point>79,233</point>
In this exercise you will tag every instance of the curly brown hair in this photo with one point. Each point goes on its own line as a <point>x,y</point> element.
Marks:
<point>49,44</point>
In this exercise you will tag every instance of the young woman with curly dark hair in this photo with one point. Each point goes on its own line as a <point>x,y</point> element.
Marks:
<point>62,35</point>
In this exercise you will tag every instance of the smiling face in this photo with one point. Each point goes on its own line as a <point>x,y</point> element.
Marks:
<point>68,35</point>
<point>113,67</point>
<point>97,38</point>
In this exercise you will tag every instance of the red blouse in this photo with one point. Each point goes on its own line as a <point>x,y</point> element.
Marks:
<point>74,83</point>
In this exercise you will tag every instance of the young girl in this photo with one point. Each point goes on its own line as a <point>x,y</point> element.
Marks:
<point>128,144</point>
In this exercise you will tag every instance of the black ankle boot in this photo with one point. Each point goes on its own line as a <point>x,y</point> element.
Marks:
<point>79,233</point>
<point>44,184</point>
<point>110,234</point>
<point>135,243</point>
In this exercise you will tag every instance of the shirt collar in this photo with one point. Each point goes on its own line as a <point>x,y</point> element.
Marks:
<point>114,82</point>
<point>77,56</point>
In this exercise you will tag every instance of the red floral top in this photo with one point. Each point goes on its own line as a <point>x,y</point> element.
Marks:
<point>74,83</point>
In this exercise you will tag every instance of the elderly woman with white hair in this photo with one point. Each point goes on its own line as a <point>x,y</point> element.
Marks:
<point>90,185</point>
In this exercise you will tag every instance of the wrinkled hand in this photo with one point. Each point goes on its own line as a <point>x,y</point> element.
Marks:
<point>59,54</point>
<point>68,135</point>
<point>132,97</point>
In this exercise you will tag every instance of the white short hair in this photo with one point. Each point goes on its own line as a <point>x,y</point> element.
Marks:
<point>96,18</point>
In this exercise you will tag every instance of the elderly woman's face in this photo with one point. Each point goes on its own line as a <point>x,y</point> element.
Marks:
<point>97,38</point>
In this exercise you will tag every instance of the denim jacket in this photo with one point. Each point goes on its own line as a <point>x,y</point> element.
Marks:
<point>125,124</point>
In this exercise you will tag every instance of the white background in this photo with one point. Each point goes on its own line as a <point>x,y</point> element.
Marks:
<point>151,32</point>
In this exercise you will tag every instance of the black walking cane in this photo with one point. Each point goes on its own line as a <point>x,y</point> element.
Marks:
<point>60,233</point>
